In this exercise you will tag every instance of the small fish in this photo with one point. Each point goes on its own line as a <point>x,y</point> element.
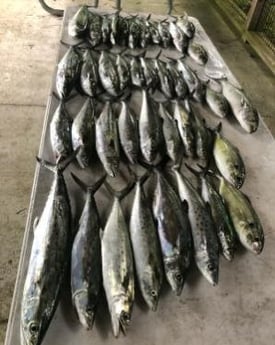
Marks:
<point>228,160</point>
<point>136,72</point>
<point>155,36</point>
<point>108,74</point>
<point>149,73</point>
<point>174,234</point>
<point>149,129</point>
<point>203,232</point>
<point>186,25</point>
<point>180,86</point>
<point>123,71</point>
<point>107,144</point>
<point>106,29</point>
<point>134,33</point>
<point>83,133</point>
<point>114,28</point>
<point>198,53</point>
<point>123,31</point>
<point>145,34</point>
<point>146,250</point>
<point>60,132</point>
<point>179,38</point>
<point>217,102</point>
<point>186,129</point>
<point>68,71</point>
<point>171,134</point>
<point>89,77</point>
<point>128,133</point>
<point>95,33</point>
<point>244,218</point>
<point>165,36</point>
<point>49,259</point>
<point>118,266</point>
<point>165,79</point>
<point>79,24</point>
<point>86,275</point>
<point>241,107</point>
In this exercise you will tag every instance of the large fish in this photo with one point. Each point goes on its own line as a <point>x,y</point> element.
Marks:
<point>128,133</point>
<point>67,74</point>
<point>146,250</point>
<point>174,233</point>
<point>83,133</point>
<point>149,129</point>
<point>60,132</point>
<point>228,160</point>
<point>107,144</point>
<point>217,102</point>
<point>203,232</point>
<point>242,109</point>
<point>86,275</point>
<point>49,259</point>
<point>108,74</point>
<point>89,77</point>
<point>244,218</point>
<point>118,267</point>
<point>79,24</point>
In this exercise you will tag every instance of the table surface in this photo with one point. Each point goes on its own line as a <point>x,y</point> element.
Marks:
<point>237,308</point>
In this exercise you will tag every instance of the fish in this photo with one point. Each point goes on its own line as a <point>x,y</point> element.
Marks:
<point>106,29</point>
<point>136,72</point>
<point>89,77</point>
<point>164,33</point>
<point>165,79</point>
<point>174,233</point>
<point>114,28</point>
<point>83,133</point>
<point>60,132</point>
<point>149,73</point>
<point>186,129</point>
<point>198,53</point>
<point>171,134</point>
<point>206,249</point>
<point>134,33</point>
<point>107,144</point>
<point>186,25</point>
<point>154,33</point>
<point>123,31</point>
<point>228,160</point>
<point>67,74</point>
<point>242,109</point>
<point>128,133</point>
<point>217,102</point>
<point>146,248</point>
<point>118,266</point>
<point>123,71</point>
<point>95,33</point>
<point>180,86</point>
<point>79,23</point>
<point>86,275</point>
<point>243,216</point>
<point>49,258</point>
<point>145,32</point>
<point>149,129</point>
<point>179,38</point>
<point>108,74</point>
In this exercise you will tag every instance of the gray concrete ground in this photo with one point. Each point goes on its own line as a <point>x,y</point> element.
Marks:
<point>28,47</point>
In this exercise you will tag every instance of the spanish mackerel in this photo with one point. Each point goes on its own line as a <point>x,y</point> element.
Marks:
<point>108,74</point>
<point>79,23</point>
<point>89,77</point>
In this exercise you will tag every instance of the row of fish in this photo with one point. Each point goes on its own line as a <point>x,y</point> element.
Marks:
<point>135,31</point>
<point>159,241</point>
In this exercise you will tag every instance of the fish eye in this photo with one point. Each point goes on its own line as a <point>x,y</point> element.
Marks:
<point>236,166</point>
<point>251,225</point>
<point>210,267</point>
<point>178,277</point>
<point>153,293</point>
<point>33,327</point>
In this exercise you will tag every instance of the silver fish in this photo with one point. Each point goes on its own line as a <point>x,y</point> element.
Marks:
<point>83,133</point>
<point>128,133</point>
<point>48,261</point>
<point>136,72</point>
<point>198,53</point>
<point>107,144</point>
<point>174,233</point>
<point>217,102</point>
<point>145,244</point>
<point>180,86</point>
<point>89,77</point>
<point>155,36</point>
<point>123,71</point>
<point>134,33</point>
<point>179,38</point>
<point>165,79</point>
<point>108,74</point>
<point>95,33</point>
<point>186,25</point>
<point>203,232</point>
<point>145,34</point>
<point>149,73</point>
<point>149,129</point>
<point>164,33</point>
<point>86,275</point>
<point>244,218</point>
<point>60,132</point>
<point>241,107</point>
<point>67,74</point>
<point>114,28</point>
<point>118,268</point>
<point>79,24</point>
<point>171,134</point>
<point>106,29</point>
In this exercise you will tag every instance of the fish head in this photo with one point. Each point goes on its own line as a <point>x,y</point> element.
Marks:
<point>32,324</point>
<point>148,152</point>
<point>251,236</point>
<point>111,166</point>
<point>150,286</point>
<point>209,268</point>
<point>175,279</point>
<point>248,117</point>
<point>84,310</point>
<point>236,174</point>
<point>121,315</point>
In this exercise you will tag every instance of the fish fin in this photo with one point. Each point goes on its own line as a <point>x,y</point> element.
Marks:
<point>158,54</point>
<point>93,188</point>
<point>185,206</point>
<point>149,16</point>
<point>46,164</point>
<point>193,171</point>
<point>35,223</point>
<point>218,128</point>
<point>101,233</point>
<point>121,193</point>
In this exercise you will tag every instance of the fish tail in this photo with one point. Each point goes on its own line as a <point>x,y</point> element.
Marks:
<point>61,164</point>
<point>194,171</point>
<point>140,179</point>
<point>85,187</point>
<point>121,193</point>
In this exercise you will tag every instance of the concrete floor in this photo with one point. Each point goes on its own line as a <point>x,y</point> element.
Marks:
<point>28,45</point>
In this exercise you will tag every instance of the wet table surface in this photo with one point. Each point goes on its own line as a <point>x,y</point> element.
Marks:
<point>230,313</point>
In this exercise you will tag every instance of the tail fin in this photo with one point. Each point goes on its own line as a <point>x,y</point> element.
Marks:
<point>139,179</point>
<point>61,164</point>
<point>92,188</point>
<point>121,193</point>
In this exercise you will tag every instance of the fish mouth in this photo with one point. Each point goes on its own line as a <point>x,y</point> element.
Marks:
<point>257,247</point>
<point>124,321</point>
<point>228,254</point>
